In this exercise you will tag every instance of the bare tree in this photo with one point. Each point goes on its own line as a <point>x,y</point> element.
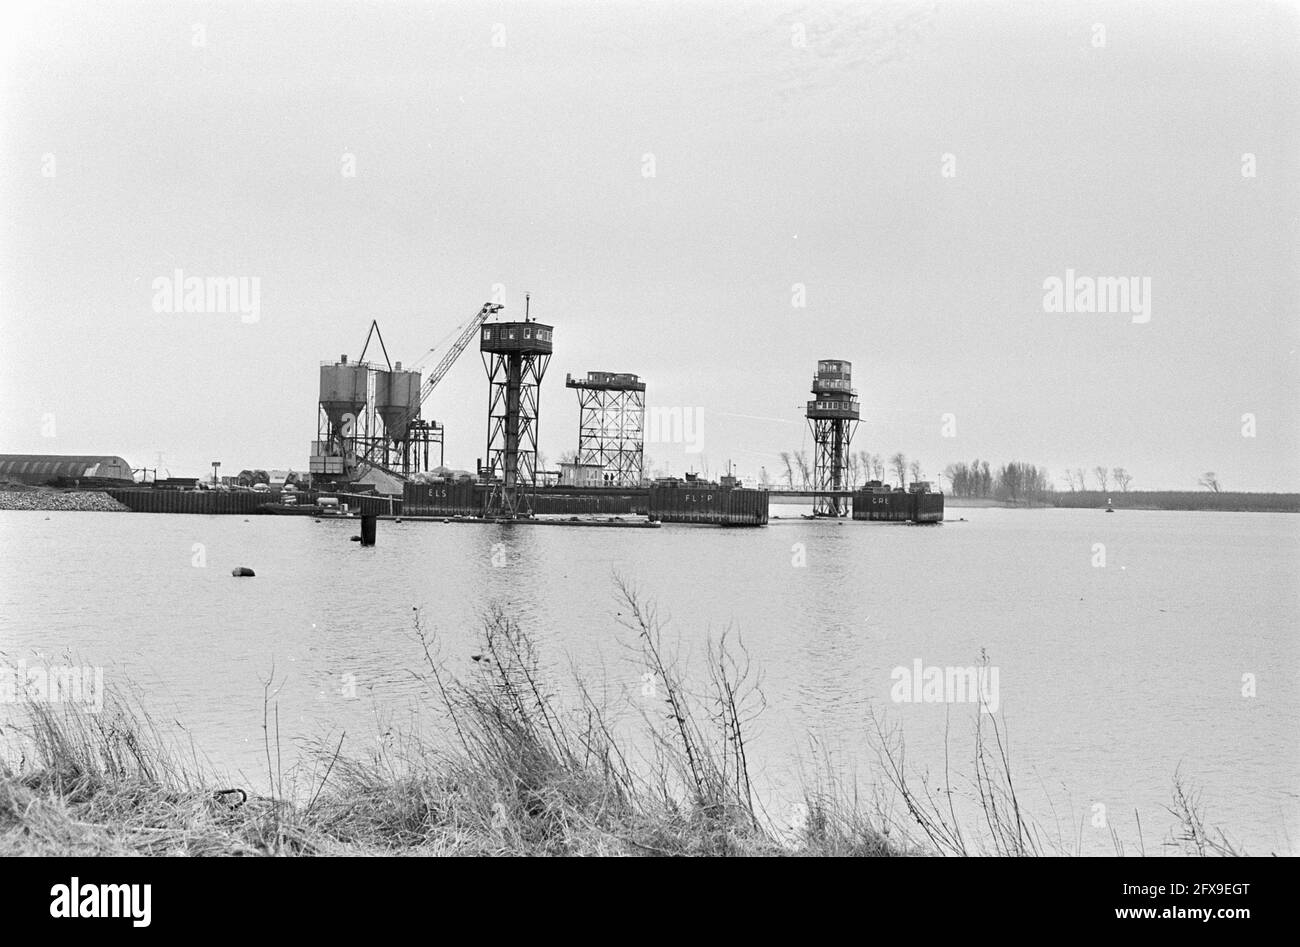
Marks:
<point>1122,478</point>
<point>1069,479</point>
<point>1081,478</point>
<point>789,470</point>
<point>915,469</point>
<point>898,463</point>
<point>1210,482</point>
<point>1101,473</point>
<point>801,461</point>
<point>877,467</point>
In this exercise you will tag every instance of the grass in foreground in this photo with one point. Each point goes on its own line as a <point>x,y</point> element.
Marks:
<point>514,775</point>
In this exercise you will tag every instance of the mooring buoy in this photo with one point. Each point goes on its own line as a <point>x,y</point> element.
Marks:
<point>242,571</point>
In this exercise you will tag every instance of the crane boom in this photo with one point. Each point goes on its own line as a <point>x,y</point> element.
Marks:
<point>370,455</point>
<point>456,349</point>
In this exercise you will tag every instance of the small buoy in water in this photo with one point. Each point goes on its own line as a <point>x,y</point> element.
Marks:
<point>356,539</point>
<point>398,520</point>
<point>241,571</point>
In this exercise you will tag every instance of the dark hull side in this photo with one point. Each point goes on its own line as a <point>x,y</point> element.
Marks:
<point>898,507</point>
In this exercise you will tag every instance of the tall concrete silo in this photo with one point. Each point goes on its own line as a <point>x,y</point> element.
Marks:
<point>343,392</point>
<point>397,401</point>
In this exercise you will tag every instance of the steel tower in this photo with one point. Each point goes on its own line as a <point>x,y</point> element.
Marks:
<point>515,355</point>
<point>611,420</point>
<point>833,416</point>
<point>343,417</point>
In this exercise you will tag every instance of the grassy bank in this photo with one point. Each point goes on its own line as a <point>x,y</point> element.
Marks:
<point>1182,500</point>
<point>511,773</point>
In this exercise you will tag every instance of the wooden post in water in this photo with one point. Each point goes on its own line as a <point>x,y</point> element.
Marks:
<point>369,526</point>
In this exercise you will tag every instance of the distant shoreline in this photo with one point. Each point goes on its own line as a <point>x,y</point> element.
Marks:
<point>46,499</point>
<point>1166,500</point>
<point>1180,500</point>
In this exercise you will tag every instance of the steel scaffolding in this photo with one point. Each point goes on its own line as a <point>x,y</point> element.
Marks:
<point>611,421</point>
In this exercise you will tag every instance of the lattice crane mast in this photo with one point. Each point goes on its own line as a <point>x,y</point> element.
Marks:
<point>471,328</point>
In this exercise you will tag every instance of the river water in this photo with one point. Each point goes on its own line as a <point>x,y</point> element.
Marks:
<point>1127,647</point>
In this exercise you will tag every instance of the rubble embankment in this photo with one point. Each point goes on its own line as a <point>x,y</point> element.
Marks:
<point>64,500</point>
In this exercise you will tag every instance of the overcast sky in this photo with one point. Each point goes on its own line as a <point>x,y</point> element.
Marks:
<point>507,144</point>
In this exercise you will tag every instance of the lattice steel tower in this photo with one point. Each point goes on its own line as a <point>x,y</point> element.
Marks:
<point>833,417</point>
<point>611,421</point>
<point>515,355</point>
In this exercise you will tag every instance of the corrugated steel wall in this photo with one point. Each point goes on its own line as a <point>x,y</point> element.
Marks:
<point>898,507</point>
<point>887,507</point>
<point>574,503</point>
<point>443,499</point>
<point>192,501</point>
<point>928,508</point>
<point>239,502</point>
<point>714,505</point>
<point>468,499</point>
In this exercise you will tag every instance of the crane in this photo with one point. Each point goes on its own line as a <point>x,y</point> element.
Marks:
<point>375,454</point>
<point>456,349</point>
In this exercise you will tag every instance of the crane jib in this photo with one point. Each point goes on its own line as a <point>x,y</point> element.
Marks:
<point>457,348</point>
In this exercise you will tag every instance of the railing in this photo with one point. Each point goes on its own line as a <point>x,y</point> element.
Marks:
<point>828,384</point>
<point>844,406</point>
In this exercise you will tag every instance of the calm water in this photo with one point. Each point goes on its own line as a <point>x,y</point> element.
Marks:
<point>1110,678</point>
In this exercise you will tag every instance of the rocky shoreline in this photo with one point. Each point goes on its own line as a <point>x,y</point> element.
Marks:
<point>69,501</point>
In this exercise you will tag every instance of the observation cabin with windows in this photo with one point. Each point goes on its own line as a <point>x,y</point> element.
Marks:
<point>836,398</point>
<point>522,338</point>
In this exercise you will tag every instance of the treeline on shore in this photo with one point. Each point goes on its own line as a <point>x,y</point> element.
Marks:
<point>1024,484</point>
<point>1181,500</point>
<point>1015,482</point>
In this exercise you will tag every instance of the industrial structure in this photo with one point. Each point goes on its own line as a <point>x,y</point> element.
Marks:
<point>917,504</point>
<point>344,397</point>
<point>611,422</point>
<point>376,456</point>
<point>515,356</point>
<point>41,469</point>
<point>833,416</point>
<point>369,423</point>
